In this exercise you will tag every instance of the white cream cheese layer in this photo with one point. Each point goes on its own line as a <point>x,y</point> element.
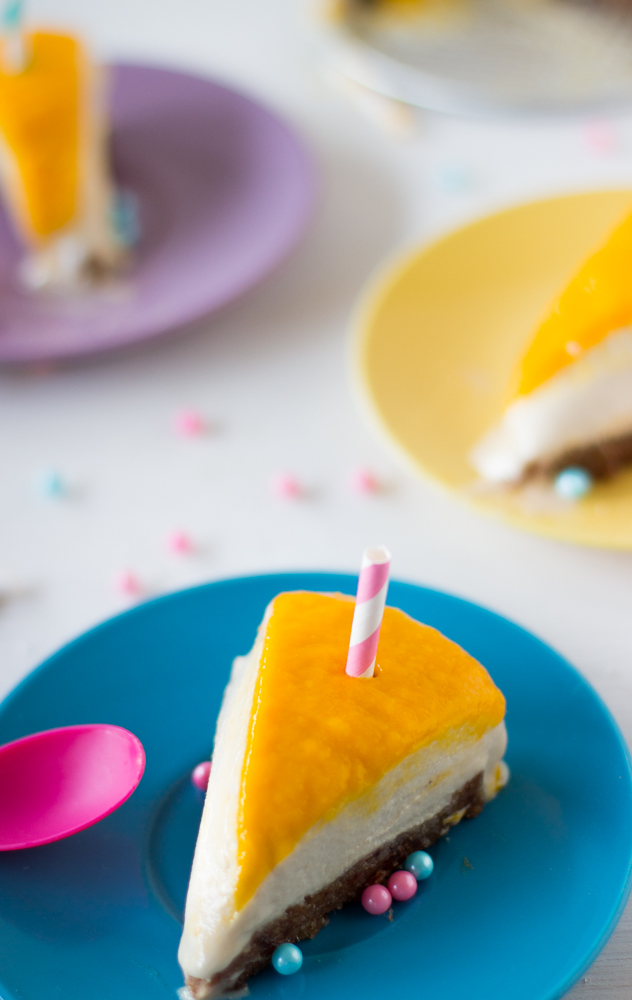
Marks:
<point>414,791</point>
<point>586,402</point>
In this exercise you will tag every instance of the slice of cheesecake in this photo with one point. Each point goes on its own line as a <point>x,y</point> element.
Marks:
<point>570,398</point>
<point>54,165</point>
<point>323,783</point>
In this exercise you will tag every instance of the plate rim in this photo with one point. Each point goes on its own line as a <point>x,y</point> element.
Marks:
<point>366,65</point>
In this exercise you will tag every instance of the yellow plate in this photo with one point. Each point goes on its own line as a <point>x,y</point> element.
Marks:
<point>437,337</point>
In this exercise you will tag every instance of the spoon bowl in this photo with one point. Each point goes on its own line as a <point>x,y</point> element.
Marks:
<point>60,781</point>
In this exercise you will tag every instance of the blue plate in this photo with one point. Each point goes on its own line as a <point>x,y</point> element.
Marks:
<point>521,899</point>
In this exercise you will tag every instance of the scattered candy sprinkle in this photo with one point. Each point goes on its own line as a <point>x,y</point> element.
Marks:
<point>454,177</point>
<point>286,486</point>
<point>12,16</point>
<point>419,864</point>
<point>125,217</point>
<point>573,348</point>
<point>600,136</point>
<point>180,543</point>
<point>363,481</point>
<point>201,774</point>
<point>287,959</point>
<point>402,885</point>
<point>51,484</point>
<point>573,483</point>
<point>376,899</point>
<point>189,423</point>
<point>128,583</point>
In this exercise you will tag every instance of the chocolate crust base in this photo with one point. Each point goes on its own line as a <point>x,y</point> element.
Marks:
<point>307,918</point>
<point>602,459</point>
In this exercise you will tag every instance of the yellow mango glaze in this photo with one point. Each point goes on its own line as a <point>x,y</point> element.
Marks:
<point>597,301</point>
<point>319,739</point>
<point>399,8</point>
<point>39,120</point>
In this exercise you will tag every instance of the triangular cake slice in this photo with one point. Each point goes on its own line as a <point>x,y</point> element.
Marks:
<point>54,164</point>
<point>322,783</point>
<point>569,401</point>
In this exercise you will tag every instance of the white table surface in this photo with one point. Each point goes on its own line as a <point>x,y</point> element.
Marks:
<point>270,375</point>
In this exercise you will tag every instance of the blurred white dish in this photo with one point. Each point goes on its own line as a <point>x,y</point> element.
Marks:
<point>485,57</point>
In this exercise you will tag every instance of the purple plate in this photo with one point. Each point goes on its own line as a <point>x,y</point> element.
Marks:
<point>224,190</point>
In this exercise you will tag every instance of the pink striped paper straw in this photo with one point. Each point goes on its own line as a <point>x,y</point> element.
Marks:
<point>369,609</point>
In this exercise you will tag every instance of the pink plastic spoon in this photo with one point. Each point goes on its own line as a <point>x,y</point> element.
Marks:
<point>60,781</point>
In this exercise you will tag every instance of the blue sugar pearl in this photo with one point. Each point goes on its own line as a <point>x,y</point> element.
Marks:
<point>50,484</point>
<point>419,864</point>
<point>573,483</point>
<point>454,177</point>
<point>12,15</point>
<point>125,218</point>
<point>287,959</point>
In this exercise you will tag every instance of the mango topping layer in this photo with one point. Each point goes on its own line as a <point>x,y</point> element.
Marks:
<point>39,111</point>
<point>319,739</point>
<point>597,301</point>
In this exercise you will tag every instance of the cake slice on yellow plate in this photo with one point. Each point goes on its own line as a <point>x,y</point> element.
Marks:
<point>323,783</point>
<point>570,401</point>
<point>54,167</point>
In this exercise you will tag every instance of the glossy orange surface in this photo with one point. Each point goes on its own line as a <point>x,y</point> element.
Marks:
<point>319,739</point>
<point>597,301</point>
<point>39,111</point>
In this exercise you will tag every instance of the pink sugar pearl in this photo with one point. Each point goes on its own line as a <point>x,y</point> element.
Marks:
<point>180,543</point>
<point>402,885</point>
<point>363,481</point>
<point>286,486</point>
<point>201,774</point>
<point>189,423</point>
<point>376,899</point>
<point>600,137</point>
<point>128,583</point>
